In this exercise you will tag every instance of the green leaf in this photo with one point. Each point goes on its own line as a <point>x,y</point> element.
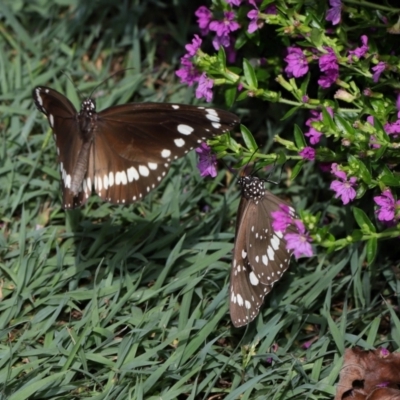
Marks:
<point>249,75</point>
<point>343,125</point>
<point>364,172</point>
<point>372,247</point>
<point>289,113</point>
<point>363,221</point>
<point>248,139</point>
<point>296,170</point>
<point>316,37</point>
<point>299,138</point>
<point>388,178</point>
<point>243,95</point>
<point>222,57</point>
<point>230,95</point>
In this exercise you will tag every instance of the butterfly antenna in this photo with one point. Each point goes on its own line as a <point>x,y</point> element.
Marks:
<point>105,80</point>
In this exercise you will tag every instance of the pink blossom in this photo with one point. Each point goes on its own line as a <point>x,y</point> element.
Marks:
<point>205,88</point>
<point>378,69</point>
<point>299,242</point>
<point>207,161</point>
<point>308,153</point>
<point>297,62</point>
<point>333,13</point>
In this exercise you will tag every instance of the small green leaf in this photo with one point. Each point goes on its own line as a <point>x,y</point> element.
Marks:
<point>364,172</point>
<point>388,178</point>
<point>249,75</point>
<point>344,125</point>
<point>248,139</point>
<point>363,221</point>
<point>296,170</point>
<point>243,95</point>
<point>290,113</point>
<point>316,37</point>
<point>299,138</point>
<point>230,95</point>
<point>222,57</point>
<point>372,247</point>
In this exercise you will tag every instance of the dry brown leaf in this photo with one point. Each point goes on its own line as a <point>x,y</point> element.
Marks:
<point>369,375</point>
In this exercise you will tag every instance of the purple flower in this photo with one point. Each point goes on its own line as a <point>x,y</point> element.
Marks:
<point>204,16</point>
<point>343,187</point>
<point>254,21</point>
<point>223,29</point>
<point>188,73</point>
<point>378,69</point>
<point>392,128</point>
<point>333,13</point>
<point>207,161</point>
<point>329,65</point>
<point>308,153</point>
<point>384,352</point>
<point>359,51</point>
<point>281,219</point>
<point>307,345</point>
<point>299,242</point>
<point>271,9</point>
<point>297,62</point>
<point>194,46</point>
<point>313,134</point>
<point>234,2</point>
<point>387,204</point>
<point>204,88</point>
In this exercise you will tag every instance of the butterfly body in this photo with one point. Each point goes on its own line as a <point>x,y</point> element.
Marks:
<point>126,150</point>
<point>260,256</point>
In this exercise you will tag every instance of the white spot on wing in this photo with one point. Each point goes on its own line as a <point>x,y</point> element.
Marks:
<point>132,174</point>
<point>111,178</point>
<point>68,181</point>
<point>143,170</point>
<point>152,166</point>
<point>179,142</point>
<point>165,153</point>
<point>253,279</point>
<point>175,106</point>
<point>185,129</point>
<point>51,120</point>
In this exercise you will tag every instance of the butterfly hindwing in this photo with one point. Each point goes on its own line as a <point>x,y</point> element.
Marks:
<point>260,256</point>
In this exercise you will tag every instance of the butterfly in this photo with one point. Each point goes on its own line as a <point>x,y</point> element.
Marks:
<point>123,151</point>
<point>260,256</point>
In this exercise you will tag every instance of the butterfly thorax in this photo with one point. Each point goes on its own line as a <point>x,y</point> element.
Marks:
<point>252,188</point>
<point>87,119</point>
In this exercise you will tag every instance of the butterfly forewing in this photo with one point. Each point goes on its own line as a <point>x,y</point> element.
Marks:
<point>62,117</point>
<point>123,151</point>
<point>260,256</point>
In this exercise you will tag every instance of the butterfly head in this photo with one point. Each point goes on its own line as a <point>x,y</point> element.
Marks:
<point>252,187</point>
<point>88,107</point>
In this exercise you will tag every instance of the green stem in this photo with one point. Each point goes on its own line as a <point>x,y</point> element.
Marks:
<point>375,6</point>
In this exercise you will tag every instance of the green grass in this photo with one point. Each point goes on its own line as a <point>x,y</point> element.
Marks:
<point>109,302</point>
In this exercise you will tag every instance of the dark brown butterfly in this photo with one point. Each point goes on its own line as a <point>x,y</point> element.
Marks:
<point>126,150</point>
<point>260,256</point>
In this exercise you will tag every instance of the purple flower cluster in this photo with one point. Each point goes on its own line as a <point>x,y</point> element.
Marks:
<point>360,51</point>
<point>389,209</point>
<point>314,135</point>
<point>300,242</point>
<point>328,64</point>
<point>344,187</point>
